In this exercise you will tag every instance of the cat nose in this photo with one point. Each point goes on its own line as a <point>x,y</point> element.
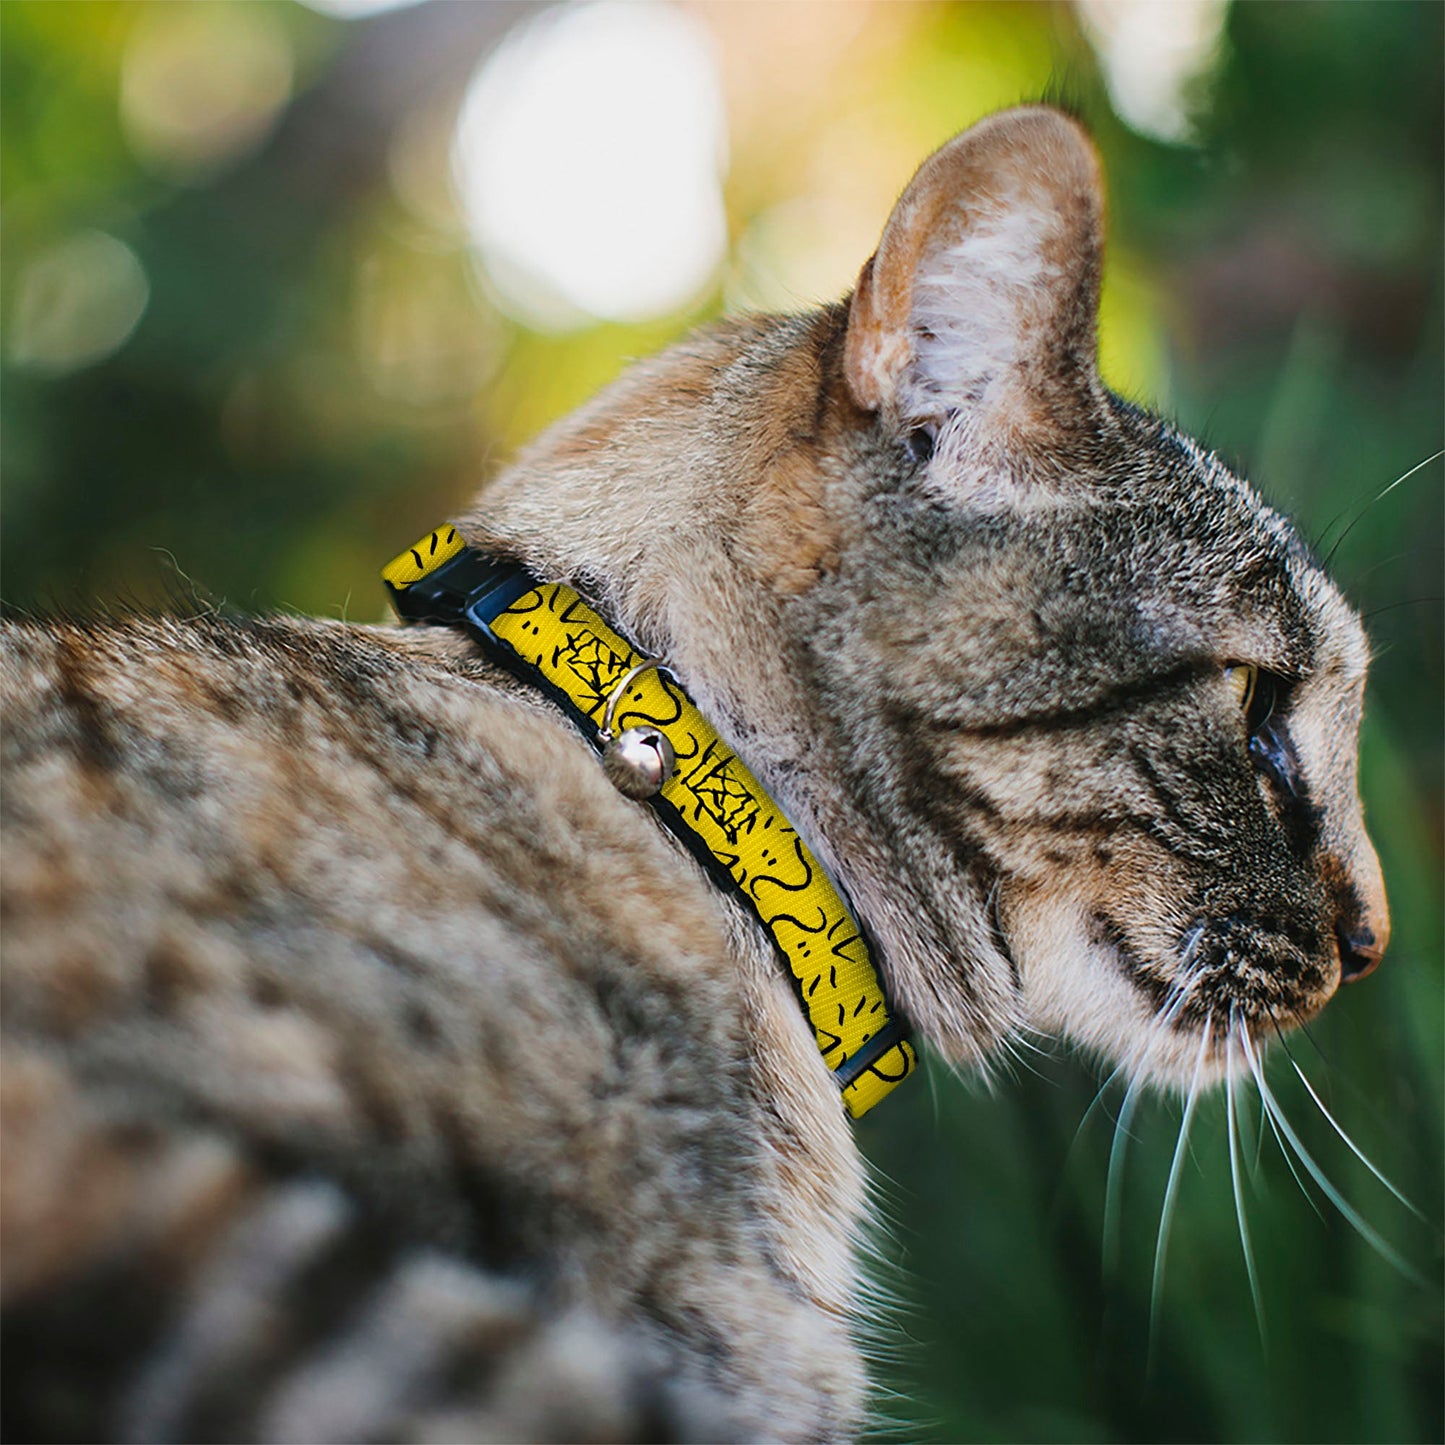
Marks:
<point>1362,927</point>
<point>1360,952</point>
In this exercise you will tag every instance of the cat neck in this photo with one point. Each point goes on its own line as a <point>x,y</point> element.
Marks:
<point>701,503</point>
<point>655,500</point>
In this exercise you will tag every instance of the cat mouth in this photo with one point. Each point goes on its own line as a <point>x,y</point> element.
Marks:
<point>1229,972</point>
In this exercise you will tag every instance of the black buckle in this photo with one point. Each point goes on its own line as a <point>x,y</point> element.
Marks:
<point>471,589</point>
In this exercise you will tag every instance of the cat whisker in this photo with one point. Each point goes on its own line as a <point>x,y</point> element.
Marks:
<point>1391,606</point>
<point>1173,1005</point>
<point>1093,1105</point>
<point>1174,1002</point>
<point>1352,1215</point>
<point>1044,1045</point>
<point>1195,935</point>
<point>1259,1132</point>
<point>1377,498</point>
<point>1114,1181</point>
<point>931,1078</point>
<point>1123,1128</point>
<point>1251,1130</point>
<point>1284,1151</point>
<point>1338,1128</point>
<point>1309,1033</point>
<point>1353,585</point>
<point>1011,1045</point>
<point>1171,1188</point>
<point>1266,1119</point>
<point>1022,1040</point>
<point>1230,1112</point>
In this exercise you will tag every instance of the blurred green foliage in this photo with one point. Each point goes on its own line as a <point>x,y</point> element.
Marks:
<point>317,376</point>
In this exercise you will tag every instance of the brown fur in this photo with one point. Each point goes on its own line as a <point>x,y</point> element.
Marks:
<point>384,1074</point>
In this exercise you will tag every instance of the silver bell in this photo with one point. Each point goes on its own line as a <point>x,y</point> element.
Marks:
<point>639,761</point>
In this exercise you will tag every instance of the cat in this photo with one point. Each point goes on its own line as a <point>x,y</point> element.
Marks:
<point>376,1069</point>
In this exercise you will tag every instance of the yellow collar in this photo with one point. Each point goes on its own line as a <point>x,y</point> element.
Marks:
<point>546,634</point>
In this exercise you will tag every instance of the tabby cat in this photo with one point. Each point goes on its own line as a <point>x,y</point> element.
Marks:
<point>375,1069</point>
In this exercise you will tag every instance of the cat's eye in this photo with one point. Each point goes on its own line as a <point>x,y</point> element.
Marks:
<point>1255,692</point>
<point>1242,679</point>
<point>919,443</point>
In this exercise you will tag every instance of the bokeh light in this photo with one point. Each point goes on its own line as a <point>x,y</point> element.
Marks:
<point>1156,53</point>
<point>76,303</point>
<point>588,159</point>
<point>357,9</point>
<point>202,84</point>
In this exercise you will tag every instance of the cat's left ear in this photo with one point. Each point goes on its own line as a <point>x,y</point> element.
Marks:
<point>983,294</point>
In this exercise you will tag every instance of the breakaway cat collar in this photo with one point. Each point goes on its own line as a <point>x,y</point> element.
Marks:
<point>545,634</point>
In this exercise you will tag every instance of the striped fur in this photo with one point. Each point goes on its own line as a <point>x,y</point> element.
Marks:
<point>373,1070</point>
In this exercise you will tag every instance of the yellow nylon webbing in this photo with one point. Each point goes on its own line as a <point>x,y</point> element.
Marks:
<point>555,631</point>
<point>423,559</point>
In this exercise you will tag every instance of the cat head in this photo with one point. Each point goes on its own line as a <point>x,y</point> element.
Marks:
<point>1104,698</point>
<point>1069,713</point>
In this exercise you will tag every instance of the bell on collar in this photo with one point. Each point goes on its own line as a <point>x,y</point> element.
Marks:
<point>639,761</point>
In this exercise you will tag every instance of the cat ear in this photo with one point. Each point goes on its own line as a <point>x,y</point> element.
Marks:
<point>983,294</point>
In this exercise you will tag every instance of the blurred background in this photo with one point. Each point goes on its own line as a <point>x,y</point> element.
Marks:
<point>284,284</point>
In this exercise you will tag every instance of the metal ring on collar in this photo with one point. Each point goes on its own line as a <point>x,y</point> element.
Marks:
<point>615,697</point>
